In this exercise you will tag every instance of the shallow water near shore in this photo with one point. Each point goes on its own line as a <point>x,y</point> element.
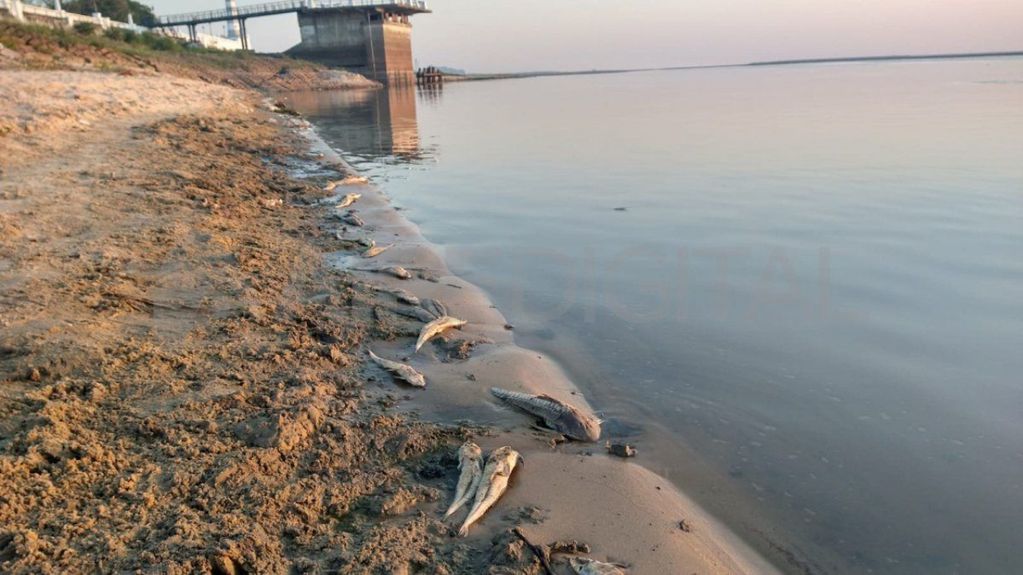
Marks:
<point>798,289</point>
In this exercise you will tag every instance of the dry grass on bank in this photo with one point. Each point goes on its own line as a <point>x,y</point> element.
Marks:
<point>34,47</point>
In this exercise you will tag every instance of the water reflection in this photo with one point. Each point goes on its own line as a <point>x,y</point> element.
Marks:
<point>813,289</point>
<point>378,126</point>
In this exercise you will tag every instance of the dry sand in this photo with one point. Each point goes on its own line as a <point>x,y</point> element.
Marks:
<point>183,380</point>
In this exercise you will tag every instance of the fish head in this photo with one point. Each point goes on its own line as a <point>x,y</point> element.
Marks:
<point>416,379</point>
<point>504,457</point>
<point>579,426</point>
<point>453,321</point>
<point>470,451</point>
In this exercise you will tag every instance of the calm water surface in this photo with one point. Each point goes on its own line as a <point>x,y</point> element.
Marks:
<point>809,313</point>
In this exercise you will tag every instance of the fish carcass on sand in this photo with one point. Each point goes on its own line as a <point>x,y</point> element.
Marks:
<point>353,220</point>
<point>416,313</point>
<point>401,295</point>
<point>437,326</point>
<point>348,181</point>
<point>374,251</point>
<point>348,200</point>
<point>435,307</point>
<point>584,566</point>
<point>404,372</point>
<point>492,486</point>
<point>470,462</point>
<point>396,271</point>
<point>557,414</point>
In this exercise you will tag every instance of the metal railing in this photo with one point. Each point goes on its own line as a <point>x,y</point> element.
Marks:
<point>271,8</point>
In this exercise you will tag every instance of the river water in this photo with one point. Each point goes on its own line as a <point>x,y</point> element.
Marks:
<point>798,289</point>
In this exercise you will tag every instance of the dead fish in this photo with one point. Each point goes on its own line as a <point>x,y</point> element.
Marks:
<point>416,313</point>
<point>396,271</point>
<point>402,295</point>
<point>404,372</point>
<point>557,414</point>
<point>405,297</point>
<point>347,181</point>
<point>470,462</point>
<point>436,327</point>
<point>348,200</point>
<point>493,484</point>
<point>362,241</point>
<point>435,307</point>
<point>374,251</point>
<point>584,566</point>
<point>353,220</point>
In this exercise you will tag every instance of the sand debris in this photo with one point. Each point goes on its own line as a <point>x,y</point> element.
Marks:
<point>404,372</point>
<point>470,463</point>
<point>556,414</point>
<point>620,449</point>
<point>437,327</point>
<point>496,474</point>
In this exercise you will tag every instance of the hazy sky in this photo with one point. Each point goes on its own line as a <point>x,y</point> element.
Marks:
<point>515,35</point>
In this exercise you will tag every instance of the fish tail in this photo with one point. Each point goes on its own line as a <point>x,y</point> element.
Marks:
<point>455,506</point>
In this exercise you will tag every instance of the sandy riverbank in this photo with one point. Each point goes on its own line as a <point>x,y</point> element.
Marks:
<point>183,384</point>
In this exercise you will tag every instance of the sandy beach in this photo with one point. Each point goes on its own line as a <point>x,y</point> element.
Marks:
<point>184,383</point>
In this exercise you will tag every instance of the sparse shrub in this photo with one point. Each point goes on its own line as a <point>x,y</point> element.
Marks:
<point>115,34</point>
<point>161,43</point>
<point>85,28</point>
<point>167,44</point>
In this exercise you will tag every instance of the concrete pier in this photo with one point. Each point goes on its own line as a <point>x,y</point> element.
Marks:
<point>370,37</point>
<point>375,42</point>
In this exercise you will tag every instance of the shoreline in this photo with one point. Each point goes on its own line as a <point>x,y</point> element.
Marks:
<point>709,548</point>
<point>174,340</point>
<point>480,77</point>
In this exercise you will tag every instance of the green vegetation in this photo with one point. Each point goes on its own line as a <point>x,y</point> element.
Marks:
<point>82,41</point>
<point>114,9</point>
<point>13,34</point>
<point>147,39</point>
<point>85,28</point>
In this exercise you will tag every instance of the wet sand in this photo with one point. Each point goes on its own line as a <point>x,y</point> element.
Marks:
<point>623,511</point>
<point>183,374</point>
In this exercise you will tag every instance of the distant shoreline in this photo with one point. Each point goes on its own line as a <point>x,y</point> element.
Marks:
<point>886,58</point>
<point>836,60</point>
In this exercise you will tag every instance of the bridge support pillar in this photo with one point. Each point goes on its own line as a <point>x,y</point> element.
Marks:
<point>375,42</point>
<point>244,33</point>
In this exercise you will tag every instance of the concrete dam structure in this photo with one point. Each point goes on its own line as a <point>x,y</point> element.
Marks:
<point>370,37</point>
<point>375,42</point>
